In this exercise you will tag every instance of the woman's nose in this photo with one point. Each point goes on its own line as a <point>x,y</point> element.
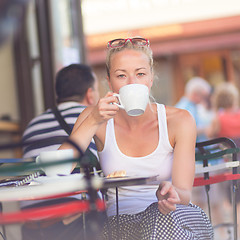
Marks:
<point>132,79</point>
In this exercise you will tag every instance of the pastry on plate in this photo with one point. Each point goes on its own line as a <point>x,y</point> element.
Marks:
<point>120,173</point>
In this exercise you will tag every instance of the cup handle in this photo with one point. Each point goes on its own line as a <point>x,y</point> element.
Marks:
<point>37,160</point>
<point>119,99</point>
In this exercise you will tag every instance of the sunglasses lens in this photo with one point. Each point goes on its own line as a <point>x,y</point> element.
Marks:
<point>139,41</point>
<point>135,41</point>
<point>117,43</point>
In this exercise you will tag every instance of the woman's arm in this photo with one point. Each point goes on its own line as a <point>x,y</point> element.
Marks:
<point>183,171</point>
<point>182,131</point>
<point>89,122</point>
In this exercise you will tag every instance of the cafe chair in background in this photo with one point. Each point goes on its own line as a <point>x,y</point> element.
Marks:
<point>217,162</point>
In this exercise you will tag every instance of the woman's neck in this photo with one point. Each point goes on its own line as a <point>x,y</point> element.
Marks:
<point>123,119</point>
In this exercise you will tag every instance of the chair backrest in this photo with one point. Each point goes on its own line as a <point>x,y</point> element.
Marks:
<point>215,150</point>
<point>212,156</point>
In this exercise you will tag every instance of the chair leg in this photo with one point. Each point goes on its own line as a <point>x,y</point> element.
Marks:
<point>234,204</point>
<point>84,226</point>
<point>3,234</point>
<point>84,197</point>
<point>207,188</point>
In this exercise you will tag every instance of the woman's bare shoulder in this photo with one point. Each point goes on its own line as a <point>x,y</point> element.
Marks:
<point>181,124</point>
<point>179,118</point>
<point>177,114</point>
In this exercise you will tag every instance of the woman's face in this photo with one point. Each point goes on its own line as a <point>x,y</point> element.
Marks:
<point>127,67</point>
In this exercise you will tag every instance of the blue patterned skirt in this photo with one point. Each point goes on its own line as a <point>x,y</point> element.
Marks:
<point>185,223</point>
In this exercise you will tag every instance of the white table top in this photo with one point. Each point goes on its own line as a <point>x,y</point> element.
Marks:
<point>46,187</point>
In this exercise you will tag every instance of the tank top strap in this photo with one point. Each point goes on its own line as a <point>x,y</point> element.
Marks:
<point>110,139</point>
<point>162,121</point>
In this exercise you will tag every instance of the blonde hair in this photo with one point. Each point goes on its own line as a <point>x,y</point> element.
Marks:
<point>226,96</point>
<point>128,45</point>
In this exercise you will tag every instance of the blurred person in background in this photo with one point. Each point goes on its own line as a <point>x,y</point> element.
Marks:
<point>76,88</point>
<point>196,95</point>
<point>197,100</point>
<point>226,123</point>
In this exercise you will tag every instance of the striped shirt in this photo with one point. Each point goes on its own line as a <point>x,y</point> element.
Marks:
<point>44,133</point>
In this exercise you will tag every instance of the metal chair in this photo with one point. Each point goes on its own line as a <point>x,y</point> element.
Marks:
<point>212,150</point>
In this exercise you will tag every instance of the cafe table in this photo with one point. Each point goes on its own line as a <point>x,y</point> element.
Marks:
<point>43,187</point>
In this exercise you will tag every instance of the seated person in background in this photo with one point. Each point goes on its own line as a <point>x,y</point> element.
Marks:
<point>160,142</point>
<point>76,87</point>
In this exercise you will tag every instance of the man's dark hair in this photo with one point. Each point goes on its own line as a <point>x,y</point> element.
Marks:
<point>73,81</point>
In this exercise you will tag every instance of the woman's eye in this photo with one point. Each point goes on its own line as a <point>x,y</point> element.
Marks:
<point>121,76</point>
<point>141,74</point>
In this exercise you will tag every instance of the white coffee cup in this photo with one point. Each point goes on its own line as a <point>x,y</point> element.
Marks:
<point>56,156</point>
<point>133,98</point>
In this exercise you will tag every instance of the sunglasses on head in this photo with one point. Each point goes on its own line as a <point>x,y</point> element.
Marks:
<point>115,43</point>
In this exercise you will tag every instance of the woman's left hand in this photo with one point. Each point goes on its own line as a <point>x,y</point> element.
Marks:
<point>167,197</point>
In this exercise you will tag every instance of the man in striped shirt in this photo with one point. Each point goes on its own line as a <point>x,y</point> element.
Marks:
<point>76,87</point>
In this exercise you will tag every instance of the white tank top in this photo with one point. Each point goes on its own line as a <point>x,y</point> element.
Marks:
<point>135,199</point>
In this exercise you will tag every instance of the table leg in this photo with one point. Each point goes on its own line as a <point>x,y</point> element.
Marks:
<point>117,211</point>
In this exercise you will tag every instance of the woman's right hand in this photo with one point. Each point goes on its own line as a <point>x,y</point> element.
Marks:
<point>167,197</point>
<point>105,109</point>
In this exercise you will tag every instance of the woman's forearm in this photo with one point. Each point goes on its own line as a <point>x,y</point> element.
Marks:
<point>184,195</point>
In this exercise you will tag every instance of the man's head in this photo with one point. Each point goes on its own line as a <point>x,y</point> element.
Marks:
<point>197,89</point>
<point>78,83</point>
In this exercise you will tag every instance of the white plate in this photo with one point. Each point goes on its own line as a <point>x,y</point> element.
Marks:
<point>46,179</point>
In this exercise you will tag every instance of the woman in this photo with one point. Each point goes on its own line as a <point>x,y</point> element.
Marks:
<point>160,141</point>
